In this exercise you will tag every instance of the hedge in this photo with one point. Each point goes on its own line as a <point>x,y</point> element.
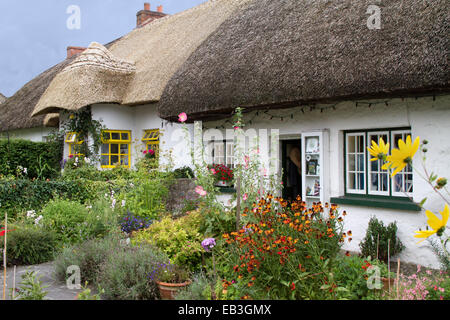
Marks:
<point>42,159</point>
<point>19,195</point>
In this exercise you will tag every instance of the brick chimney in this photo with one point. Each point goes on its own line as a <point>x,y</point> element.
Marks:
<point>146,16</point>
<point>71,51</point>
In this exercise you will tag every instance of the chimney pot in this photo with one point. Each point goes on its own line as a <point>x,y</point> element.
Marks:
<point>147,6</point>
<point>71,51</point>
<point>144,17</point>
<point>159,8</point>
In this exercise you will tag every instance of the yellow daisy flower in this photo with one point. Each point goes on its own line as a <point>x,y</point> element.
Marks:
<point>437,225</point>
<point>378,152</point>
<point>402,156</point>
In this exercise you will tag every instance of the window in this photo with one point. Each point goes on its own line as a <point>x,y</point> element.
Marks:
<point>151,140</point>
<point>365,177</point>
<point>116,149</point>
<point>74,143</point>
<point>221,152</point>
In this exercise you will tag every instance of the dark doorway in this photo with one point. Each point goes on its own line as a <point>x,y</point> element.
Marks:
<point>292,180</point>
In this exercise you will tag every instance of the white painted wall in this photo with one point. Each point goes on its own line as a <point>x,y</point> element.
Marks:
<point>427,118</point>
<point>141,118</point>
<point>33,134</point>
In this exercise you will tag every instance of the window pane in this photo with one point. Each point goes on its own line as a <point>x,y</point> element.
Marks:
<point>105,148</point>
<point>374,182</point>
<point>384,182</point>
<point>398,183</point>
<point>107,135</point>
<point>114,160</point>
<point>361,164</point>
<point>114,148</point>
<point>123,149</point>
<point>124,161</point>
<point>115,136</point>
<point>360,181</point>
<point>351,181</point>
<point>105,160</point>
<point>350,144</point>
<point>124,136</point>
<point>351,162</point>
<point>361,146</point>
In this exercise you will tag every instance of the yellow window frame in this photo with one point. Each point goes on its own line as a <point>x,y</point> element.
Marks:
<point>72,141</point>
<point>151,140</point>
<point>119,138</point>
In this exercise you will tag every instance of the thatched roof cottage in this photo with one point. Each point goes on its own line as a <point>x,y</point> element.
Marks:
<point>330,76</point>
<point>331,83</point>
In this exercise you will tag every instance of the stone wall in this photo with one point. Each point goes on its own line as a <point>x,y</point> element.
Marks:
<point>181,191</point>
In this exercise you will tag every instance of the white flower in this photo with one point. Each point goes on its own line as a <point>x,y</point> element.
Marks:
<point>123,203</point>
<point>113,204</point>
<point>88,207</point>
<point>31,214</point>
<point>76,160</point>
<point>87,160</point>
<point>25,170</point>
<point>38,219</point>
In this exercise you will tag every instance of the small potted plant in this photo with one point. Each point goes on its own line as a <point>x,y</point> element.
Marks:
<point>170,278</point>
<point>223,174</point>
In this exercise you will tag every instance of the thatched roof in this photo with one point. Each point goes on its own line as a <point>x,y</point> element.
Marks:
<point>284,53</point>
<point>157,50</point>
<point>94,76</point>
<point>16,110</point>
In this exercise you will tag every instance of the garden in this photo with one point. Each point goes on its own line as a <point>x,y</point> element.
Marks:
<point>114,226</point>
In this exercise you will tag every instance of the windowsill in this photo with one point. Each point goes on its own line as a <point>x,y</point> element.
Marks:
<point>388,203</point>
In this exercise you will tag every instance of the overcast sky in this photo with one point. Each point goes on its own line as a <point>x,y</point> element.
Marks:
<point>34,35</point>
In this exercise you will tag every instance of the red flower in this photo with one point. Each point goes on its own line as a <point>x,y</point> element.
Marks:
<point>293,286</point>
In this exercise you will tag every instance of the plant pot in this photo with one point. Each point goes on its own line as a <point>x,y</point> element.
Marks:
<point>168,290</point>
<point>386,283</point>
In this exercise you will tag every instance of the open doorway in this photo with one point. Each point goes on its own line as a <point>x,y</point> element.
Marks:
<point>291,164</point>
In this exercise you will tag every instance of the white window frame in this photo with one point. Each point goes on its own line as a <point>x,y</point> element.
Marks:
<point>356,171</point>
<point>403,173</point>
<point>380,163</point>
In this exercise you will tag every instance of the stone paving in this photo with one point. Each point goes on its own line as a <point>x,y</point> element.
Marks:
<point>57,289</point>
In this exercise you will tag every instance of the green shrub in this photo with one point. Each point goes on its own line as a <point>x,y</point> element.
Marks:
<point>89,256</point>
<point>179,239</point>
<point>199,289</point>
<point>31,287</point>
<point>183,172</point>
<point>29,245</point>
<point>376,239</point>
<point>23,194</point>
<point>68,219</point>
<point>125,274</point>
<point>42,159</point>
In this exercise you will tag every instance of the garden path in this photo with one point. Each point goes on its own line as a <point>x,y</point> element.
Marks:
<point>57,289</point>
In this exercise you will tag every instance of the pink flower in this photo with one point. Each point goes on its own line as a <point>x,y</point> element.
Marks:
<point>200,191</point>
<point>246,161</point>
<point>145,152</point>
<point>245,197</point>
<point>152,152</point>
<point>236,128</point>
<point>70,156</point>
<point>182,117</point>
<point>213,171</point>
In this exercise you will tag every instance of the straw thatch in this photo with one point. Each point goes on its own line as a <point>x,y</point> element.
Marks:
<point>284,53</point>
<point>94,76</point>
<point>157,51</point>
<point>16,110</point>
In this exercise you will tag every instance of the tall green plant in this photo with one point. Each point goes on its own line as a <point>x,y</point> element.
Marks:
<point>378,238</point>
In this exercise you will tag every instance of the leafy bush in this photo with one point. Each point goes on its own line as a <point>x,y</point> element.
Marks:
<point>183,173</point>
<point>283,252</point>
<point>29,245</point>
<point>125,274</point>
<point>376,239</point>
<point>89,256</point>
<point>42,159</point>
<point>179,239</point>
<point>350,272</point>
<point>199,289</point>
<point>24,194</point>
<point>216,221</point>
<point>31,287</point>
<point>68,219</point>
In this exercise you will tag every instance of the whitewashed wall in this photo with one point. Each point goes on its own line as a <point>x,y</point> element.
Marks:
<point>141,118</point>
<point>32,134</point>
<point>427,118</point>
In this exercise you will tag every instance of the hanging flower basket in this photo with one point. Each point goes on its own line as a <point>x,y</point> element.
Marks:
<point>223,175</point>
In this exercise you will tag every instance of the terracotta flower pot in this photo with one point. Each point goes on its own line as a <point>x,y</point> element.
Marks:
<point>386,283</point>
<point>168,290</point>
